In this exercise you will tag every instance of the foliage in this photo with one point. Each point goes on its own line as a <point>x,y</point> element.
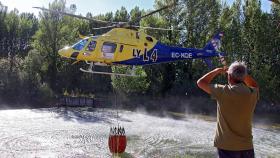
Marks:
<point>10,87</point>
<point>130,85</point>
<point>32,70</point>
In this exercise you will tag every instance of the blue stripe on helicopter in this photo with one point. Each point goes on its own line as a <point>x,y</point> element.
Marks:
<point>162,53</point>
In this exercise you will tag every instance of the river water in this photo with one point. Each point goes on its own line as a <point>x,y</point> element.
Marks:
<point>83,133</point>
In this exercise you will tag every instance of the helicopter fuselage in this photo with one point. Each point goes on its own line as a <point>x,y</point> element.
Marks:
<point>130,47</point>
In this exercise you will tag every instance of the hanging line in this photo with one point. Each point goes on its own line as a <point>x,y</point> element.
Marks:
<point>115,102</point>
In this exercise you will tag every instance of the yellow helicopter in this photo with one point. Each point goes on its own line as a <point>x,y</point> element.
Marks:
<point>127,44</point>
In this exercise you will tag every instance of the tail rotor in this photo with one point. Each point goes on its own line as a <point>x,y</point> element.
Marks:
<point>214,45</point>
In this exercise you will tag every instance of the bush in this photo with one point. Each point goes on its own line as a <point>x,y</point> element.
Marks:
<point>130,85</point>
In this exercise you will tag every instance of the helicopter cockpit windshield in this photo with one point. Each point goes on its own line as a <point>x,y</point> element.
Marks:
<point>80,45</point>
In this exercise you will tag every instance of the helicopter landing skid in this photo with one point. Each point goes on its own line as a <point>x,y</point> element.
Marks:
<point>107,73</point>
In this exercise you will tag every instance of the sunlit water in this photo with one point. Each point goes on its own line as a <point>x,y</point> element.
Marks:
<point>82,133</point>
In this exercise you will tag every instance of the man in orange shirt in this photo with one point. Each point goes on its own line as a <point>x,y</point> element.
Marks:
<point>236,102</point>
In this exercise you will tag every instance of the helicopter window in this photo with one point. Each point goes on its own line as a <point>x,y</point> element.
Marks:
<point>150,39</point>
<point>91,46</point>
<point>80,45</point>
<point>108,49</point>
<point>121,48</point>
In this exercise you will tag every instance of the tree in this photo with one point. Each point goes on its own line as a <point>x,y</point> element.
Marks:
<point>121,15</point>
<point>135,15</point>
<point>54,32</point>
<point>130,85</point>
<point>3,12</point>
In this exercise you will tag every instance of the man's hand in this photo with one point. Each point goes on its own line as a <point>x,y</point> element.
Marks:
<point>204,81</point>
<point>250,82</point>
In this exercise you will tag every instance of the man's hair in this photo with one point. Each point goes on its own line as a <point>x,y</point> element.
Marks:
<point>237,70</point>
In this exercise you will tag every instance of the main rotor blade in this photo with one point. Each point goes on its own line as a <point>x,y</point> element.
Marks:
<point>157,28</point>
<point>73,15</point>
<point>158,10</point>
<point>105,27</point>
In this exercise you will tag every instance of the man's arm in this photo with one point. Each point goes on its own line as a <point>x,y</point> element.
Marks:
<point>250,82</point>
<point>204,81</point>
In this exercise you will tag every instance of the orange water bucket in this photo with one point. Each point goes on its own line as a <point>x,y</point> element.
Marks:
<point>117,140</point>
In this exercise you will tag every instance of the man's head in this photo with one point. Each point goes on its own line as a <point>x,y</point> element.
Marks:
<point>237,71</point>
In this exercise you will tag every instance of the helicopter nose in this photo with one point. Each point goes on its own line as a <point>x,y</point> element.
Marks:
<point>64,52</point>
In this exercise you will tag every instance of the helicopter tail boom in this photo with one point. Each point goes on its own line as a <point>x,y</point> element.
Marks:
<point>161,53</point>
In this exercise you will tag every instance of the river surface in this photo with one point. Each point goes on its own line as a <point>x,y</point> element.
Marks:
<point>83,133</point>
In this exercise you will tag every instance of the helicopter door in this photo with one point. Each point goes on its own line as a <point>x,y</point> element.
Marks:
<point>91,46</point>
<point>108,50</point>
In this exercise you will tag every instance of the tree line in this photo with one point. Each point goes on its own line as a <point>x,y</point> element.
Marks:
<point>32,72</point>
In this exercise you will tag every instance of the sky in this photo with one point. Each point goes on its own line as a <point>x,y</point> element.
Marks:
<point>83,6</point>
<point>95,6</point>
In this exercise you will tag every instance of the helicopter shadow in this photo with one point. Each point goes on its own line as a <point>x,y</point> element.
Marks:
<point>86,114</point>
